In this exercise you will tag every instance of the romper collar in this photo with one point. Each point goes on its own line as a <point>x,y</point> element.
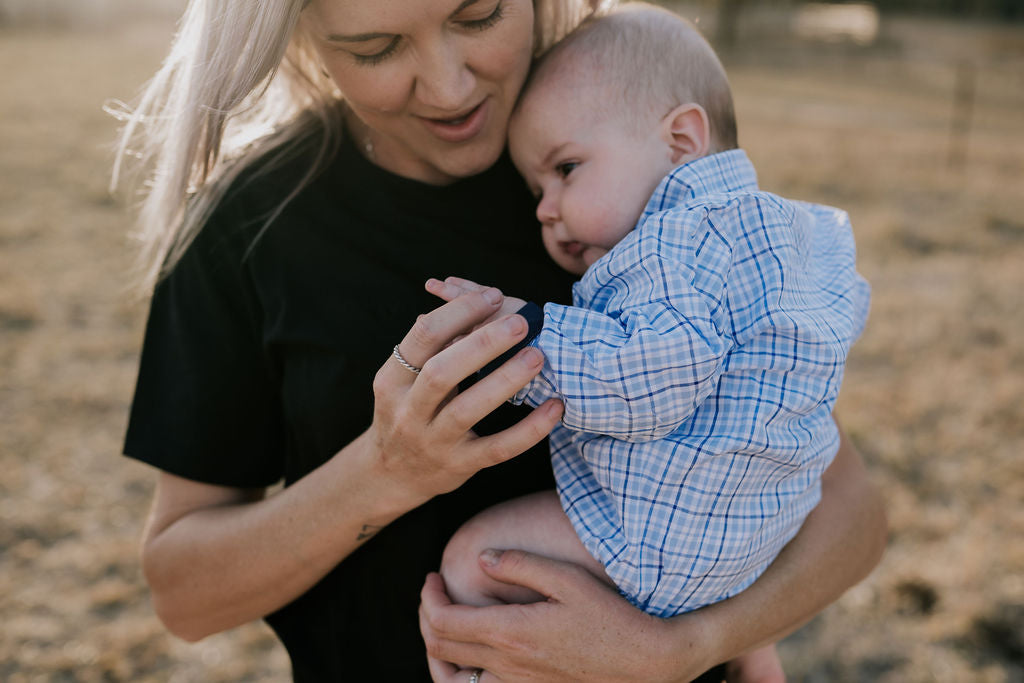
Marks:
<point>729,171</point>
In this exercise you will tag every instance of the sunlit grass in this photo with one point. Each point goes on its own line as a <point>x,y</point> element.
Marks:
<point>932,393</point>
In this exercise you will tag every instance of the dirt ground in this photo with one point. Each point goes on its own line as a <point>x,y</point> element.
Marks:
<point>932,397</point>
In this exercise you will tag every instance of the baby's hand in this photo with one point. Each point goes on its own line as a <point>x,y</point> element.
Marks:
<point>453,287</point>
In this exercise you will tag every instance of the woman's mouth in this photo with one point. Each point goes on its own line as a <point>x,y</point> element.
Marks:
<point>459,128</point>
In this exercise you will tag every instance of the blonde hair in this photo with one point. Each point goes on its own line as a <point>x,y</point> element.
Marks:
<point>241,83</point>
<point>650,60</point>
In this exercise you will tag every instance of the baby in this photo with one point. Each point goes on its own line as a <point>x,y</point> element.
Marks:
<point>704,352</point>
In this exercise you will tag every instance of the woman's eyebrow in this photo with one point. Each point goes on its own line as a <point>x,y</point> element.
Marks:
<point>362,37</point>
<point>463,5</point>
<point>355,38</point>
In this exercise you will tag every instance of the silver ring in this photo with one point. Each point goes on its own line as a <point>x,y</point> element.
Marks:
<point>475,676</point>
<point>408,366</point>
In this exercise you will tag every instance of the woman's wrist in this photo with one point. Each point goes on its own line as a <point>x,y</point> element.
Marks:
<point>388,495</point>
<point>691,644</point>
<point>677,649</point>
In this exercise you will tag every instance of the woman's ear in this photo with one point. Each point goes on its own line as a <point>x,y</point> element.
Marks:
<point>687,132</point>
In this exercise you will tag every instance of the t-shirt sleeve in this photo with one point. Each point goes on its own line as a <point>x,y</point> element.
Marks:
<point>206,403</point>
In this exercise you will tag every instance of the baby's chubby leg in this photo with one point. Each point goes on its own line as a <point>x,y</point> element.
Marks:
<point>534,523</point>
<point>759,666</point>
<point>537,524</point>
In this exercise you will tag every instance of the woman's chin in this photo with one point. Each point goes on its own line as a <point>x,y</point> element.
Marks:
<point>471,160</point>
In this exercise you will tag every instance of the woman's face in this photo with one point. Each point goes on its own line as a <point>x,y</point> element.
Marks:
<point>432,82</point>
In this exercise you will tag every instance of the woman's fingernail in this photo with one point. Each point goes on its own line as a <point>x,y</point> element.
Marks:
<point>490,557</point>
<point>493,296</point>
<point>530,356</point>
<point>514,324</point>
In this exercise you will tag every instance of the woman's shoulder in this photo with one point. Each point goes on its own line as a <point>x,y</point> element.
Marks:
<point>257,189</point>
<point>275,171</point>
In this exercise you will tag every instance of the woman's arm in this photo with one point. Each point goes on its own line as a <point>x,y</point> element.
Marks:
<point>216,557</point>
<point>587,631</point>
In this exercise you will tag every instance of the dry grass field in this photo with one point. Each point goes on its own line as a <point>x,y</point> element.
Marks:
<point>933,395</point>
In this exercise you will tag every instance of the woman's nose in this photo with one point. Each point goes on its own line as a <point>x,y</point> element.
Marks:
<point>445,81</point>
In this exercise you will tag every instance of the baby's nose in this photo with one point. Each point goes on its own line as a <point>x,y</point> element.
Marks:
<point>547,210</point>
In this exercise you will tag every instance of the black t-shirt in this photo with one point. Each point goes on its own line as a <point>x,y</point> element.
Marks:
<point>259,356</point>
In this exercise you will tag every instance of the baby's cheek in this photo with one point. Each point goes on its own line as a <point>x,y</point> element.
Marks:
<point>572,264</point>
<point>592,254</point>
<point>550,244</point>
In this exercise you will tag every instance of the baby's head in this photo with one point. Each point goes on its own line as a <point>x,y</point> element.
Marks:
<point>605,115</point>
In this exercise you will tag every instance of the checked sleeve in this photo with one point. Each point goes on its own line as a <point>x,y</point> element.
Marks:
<point>638,359</point>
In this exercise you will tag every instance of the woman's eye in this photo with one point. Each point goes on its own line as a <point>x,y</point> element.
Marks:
<point>486,22</point>
<point>376,57</point>
<point>566,167</point>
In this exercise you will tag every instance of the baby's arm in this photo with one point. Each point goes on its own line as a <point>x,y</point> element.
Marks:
<point>636,375</point>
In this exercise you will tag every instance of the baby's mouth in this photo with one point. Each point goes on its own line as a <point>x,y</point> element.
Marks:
<point>572,247</point>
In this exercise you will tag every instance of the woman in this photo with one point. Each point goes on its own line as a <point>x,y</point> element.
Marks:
<point>311,164</point>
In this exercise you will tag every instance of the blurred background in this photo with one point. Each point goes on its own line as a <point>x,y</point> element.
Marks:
<point>909,114</point>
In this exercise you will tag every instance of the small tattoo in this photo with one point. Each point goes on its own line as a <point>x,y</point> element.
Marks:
<point>367,531</point>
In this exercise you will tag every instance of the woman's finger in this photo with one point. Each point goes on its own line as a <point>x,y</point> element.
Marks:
<point>433,331</point>
<point>464,284</point>
<point>441,671</point>
<point>442,620</point>
<point>549,577</point>
<point>443,650</point>
<point>452,631</point>
<point>520,437</point>
<point>443,371</point>
<point>447,290</point>
<point>491,391</point>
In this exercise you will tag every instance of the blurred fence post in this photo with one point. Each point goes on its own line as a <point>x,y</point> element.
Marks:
<point>727,24</point>
<point>963,110</point>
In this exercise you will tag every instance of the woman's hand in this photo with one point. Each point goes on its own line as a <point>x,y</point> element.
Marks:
<point>585,631</point>
<point>422,428</point>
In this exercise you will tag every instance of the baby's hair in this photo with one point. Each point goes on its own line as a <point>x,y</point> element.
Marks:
<point>649,60</point>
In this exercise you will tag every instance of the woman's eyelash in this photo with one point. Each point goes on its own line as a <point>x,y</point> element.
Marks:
<point>476,24</point>
<point>488,21</point>
<point>377,57</point>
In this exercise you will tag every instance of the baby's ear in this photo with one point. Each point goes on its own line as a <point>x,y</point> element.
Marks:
<point>687,132</point>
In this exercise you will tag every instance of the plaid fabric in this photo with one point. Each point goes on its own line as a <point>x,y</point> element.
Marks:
<point>699,367</point>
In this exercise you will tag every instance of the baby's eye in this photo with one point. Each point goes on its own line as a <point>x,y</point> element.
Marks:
<point>566,167</point>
